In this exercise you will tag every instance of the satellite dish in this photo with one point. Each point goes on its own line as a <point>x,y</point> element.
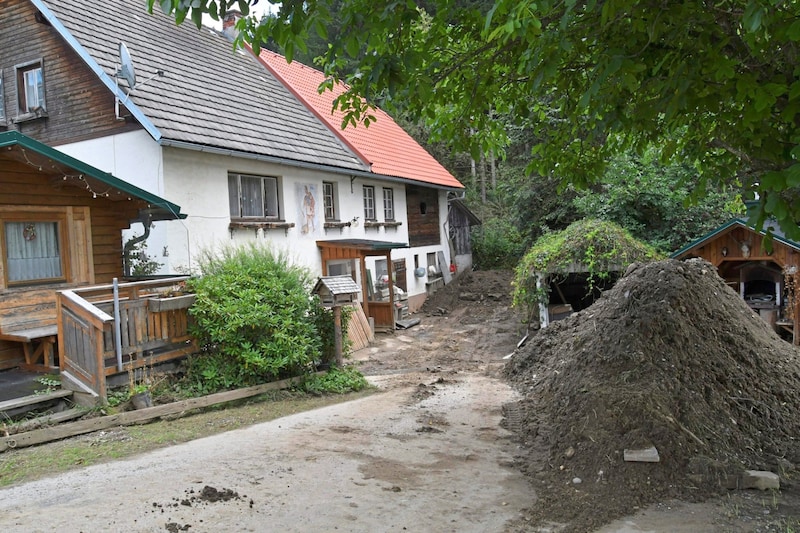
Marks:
<point>126,66</point>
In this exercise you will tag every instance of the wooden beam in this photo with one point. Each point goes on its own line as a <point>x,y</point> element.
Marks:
<point>63,431</point>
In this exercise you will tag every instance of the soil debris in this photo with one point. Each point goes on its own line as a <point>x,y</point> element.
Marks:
<point>669,358</point>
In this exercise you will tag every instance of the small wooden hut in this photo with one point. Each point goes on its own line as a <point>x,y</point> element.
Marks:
<point>765,277</point>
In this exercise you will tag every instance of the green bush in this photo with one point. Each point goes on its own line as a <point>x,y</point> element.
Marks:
<point>496,244</point>
<point>253,318</point>
<point>336,381</point>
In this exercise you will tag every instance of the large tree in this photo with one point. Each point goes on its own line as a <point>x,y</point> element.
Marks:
<point>715,84</point>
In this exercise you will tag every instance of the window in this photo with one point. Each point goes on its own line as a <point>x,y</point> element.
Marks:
<point>388,204</point>
<point>2,101</point>
<point>253,196</point>
<point>329,200</point>
<point>33,251</point>
<point>30,88</point>
<point>433,266</point>
<point>369,202</point>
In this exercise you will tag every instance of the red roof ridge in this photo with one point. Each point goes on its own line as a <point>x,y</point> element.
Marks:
<point>388,148</point>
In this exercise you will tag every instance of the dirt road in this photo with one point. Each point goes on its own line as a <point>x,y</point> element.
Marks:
<point>389,462</point>
<point>427,453</point>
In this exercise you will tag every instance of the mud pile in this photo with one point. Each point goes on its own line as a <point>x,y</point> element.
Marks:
<point>472,290</point>
<point>669,358</point>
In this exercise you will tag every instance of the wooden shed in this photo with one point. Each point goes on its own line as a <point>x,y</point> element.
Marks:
<point>460,220</point>
<point>381,311</point>
<point>60,228</point>
<point>757,273</point>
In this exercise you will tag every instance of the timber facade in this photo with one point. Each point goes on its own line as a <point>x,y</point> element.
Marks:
<point>423,216</point>
<point>73,104</point>
<point>89,239</point>
<point>763,274</point>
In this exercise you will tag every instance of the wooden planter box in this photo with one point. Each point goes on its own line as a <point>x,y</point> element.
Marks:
<point>171,303</point>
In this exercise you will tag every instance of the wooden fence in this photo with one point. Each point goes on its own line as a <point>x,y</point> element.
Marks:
<point>153,328</point>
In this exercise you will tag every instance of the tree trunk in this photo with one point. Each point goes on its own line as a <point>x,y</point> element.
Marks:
<point>483,178</point>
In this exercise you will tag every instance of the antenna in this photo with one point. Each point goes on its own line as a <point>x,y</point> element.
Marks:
<point>126,72</point>
<point>126,67</point>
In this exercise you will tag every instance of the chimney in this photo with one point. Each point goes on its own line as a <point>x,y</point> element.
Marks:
<point>229,23</point>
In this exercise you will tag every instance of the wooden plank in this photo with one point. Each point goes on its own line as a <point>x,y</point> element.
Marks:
<point>49,419</point>
<point>33,399</point>
<point>40,436</point>
<point>27,335</point>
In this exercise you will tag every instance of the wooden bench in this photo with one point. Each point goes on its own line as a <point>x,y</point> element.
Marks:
<point>29,317</point>
<point>37,343</point>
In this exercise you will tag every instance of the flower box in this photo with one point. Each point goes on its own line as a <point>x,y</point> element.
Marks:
<point>170,303</point>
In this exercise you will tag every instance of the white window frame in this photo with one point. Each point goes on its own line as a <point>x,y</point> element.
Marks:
<point>388,204</point>
<point>369,202</point>
<point>329,200</point>
<point>2,101</point>
<point>30,88</point>
<point>269,208</point>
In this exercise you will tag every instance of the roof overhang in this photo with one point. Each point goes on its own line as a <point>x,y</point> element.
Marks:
<point>59,162</point>
<point>472,218</point>
<point>351,173</point>
<point>734,222</point>
<point>362,244</point>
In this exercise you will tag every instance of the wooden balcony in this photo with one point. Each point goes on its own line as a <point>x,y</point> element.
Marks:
<point>153,329</point>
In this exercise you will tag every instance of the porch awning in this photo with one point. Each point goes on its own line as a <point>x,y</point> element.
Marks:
<point>362,244</point>
<point>24,149</point>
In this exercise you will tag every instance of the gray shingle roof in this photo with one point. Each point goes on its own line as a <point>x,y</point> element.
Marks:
<point>209,94</point>
<point>337,284</point>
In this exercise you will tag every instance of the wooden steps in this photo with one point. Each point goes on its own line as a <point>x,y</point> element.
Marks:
<point>50,419</point>
<point>49,402</point>
<point>33,399</point>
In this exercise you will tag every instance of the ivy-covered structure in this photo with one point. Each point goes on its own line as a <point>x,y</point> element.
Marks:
<point>566,271</point>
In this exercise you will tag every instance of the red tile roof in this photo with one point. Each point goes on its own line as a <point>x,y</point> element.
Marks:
<point>384,145</point>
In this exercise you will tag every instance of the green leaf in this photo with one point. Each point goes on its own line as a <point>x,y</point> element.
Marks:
<point>752,17</point>
<point>793,175</point>
<point>793,32</point>
<point>197,17</point>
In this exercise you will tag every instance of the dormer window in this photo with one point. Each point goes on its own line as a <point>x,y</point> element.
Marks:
<point>30,90</point>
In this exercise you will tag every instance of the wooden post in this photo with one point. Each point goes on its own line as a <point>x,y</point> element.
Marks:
<point>391,286</point>
<point>337,334</point>
<point>365,299</point>
<point>796,314</point>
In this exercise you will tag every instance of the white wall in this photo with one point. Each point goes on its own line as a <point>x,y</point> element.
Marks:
<point>136,158</point>
<point>198,182</point>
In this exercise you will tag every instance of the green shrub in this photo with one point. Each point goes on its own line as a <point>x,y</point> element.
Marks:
<point>496,244</point>
<point>336,380</point>
<point>253,318</point>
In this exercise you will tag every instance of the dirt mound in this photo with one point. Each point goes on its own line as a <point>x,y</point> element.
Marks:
<point>469,290</point>
<point>672,358</point>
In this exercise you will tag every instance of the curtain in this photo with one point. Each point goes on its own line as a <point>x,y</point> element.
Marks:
<point>252,199</point>
<point>33,251</point>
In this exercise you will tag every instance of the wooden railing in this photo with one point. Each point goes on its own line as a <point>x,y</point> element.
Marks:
<point>153,327</point>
